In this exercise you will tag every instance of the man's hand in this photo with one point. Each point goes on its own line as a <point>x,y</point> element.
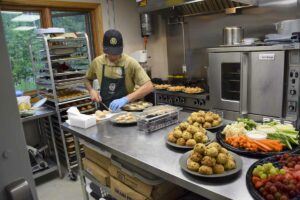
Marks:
<point>95,96</point>
<point>118,103</point>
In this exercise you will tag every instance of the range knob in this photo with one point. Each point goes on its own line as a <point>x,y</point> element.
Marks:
<point>177,100</point>
<point>182,100</point>
<point>165,98</point>
<point>291,108</point>
<point>196,102</point>
<point>170,100</point>
<point>292,92</point>
<point>159,97</point>
<point>203,101</point>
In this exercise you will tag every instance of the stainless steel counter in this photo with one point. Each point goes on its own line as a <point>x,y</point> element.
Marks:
<point>150,152</point>
<point>44,112</point>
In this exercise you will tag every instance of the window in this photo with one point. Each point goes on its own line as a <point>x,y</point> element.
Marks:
<point>19,27</point>
<point>73,21</point>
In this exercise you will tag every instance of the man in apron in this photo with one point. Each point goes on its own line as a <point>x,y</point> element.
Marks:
<point>117,73</point>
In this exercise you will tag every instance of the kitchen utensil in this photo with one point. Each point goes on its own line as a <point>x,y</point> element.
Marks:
<point>287,27</point>
<point>238,161</point>
<point>105,106</point>
<point>233,35</point>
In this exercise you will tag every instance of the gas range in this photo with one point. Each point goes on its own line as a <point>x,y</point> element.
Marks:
<point>186,101</point>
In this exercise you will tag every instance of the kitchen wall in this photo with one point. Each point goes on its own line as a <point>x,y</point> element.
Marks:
<point>206,31</point>
<point>124,16</point>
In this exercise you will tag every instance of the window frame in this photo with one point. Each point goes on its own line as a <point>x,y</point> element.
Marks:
<point>46,6</point>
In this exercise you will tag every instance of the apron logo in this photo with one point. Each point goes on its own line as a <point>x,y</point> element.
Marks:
<point>113,41</point>
<point>112,87</point>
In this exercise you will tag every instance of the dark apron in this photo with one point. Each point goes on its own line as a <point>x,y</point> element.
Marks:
<point>112,88</point>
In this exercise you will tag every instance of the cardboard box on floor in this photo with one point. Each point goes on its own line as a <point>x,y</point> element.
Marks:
<point>120,191</point>
<point>97,158</point>
<point>100,174</point>
<point>154,192</point>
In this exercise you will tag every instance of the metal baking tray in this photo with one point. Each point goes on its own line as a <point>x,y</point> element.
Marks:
<point>58,82</point>
<point>69,59</point>
<point>79,105</point>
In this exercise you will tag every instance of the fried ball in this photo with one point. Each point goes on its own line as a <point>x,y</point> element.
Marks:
<point>196,157</point>
<point>215,116</point>
<point>222,158</point>
<point>230,164</point>
<point>208,118</point>
<point>194,114</point>
<point>223,150</point>
<point>192,129</point>
<point>194,118</point>
<point>190,121</point>
<point>177,134</point>
<point>200,148</point>
<point>203,130</point>
<point>206,160</point>
<point>201,113</point>
<point>177,128</point>
<point>180,142</point>
<point>215,123</point>
<point>214,144</point>
<point>212,152</point>
<point>183,125</point>
<point>191,142</point>
<point>171,138</point>
<point>205,170</point>
<point>207,125</point>
<point>194,166</point>
<point>198,137</point>
<point>196,124</point>
<point>187,135</point>
<point>218,169</point>
<point>205,139</point>
<point>189,161</point>
<point>201,120</point>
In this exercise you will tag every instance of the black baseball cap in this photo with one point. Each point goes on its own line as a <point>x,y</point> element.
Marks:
<point>113,42</point>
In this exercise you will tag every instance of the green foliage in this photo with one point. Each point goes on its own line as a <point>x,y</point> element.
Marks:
<point>18,45</point>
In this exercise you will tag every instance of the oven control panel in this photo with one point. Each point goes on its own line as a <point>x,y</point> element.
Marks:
<point>293,92</point>
<point>187,101</point>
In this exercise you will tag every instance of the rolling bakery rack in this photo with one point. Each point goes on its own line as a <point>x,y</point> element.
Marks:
<point>60,63</point>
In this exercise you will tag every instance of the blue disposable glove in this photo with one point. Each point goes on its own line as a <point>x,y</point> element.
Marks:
<point>118,103</point>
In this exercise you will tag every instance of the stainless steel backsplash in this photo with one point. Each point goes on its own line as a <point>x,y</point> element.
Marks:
<point>205,31</point>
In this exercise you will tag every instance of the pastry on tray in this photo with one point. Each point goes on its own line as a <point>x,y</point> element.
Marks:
<point>162,86</point>
<point>176,88</point>
<point>193,90</point>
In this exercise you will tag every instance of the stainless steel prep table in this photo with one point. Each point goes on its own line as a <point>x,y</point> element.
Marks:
<point>39,114</point>
<point>151,153</point>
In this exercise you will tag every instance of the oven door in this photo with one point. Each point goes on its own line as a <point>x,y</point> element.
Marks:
<point>266,83</point>
<point>225,71</point>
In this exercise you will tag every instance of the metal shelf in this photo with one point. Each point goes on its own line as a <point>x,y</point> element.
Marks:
<point>79,105</point>
<point>66,39</point>
<point>78,59</point>
<point>52,167</point>
<point>69,59</point>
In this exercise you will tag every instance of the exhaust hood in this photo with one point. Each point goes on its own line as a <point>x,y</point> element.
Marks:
<point>195,7</point>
